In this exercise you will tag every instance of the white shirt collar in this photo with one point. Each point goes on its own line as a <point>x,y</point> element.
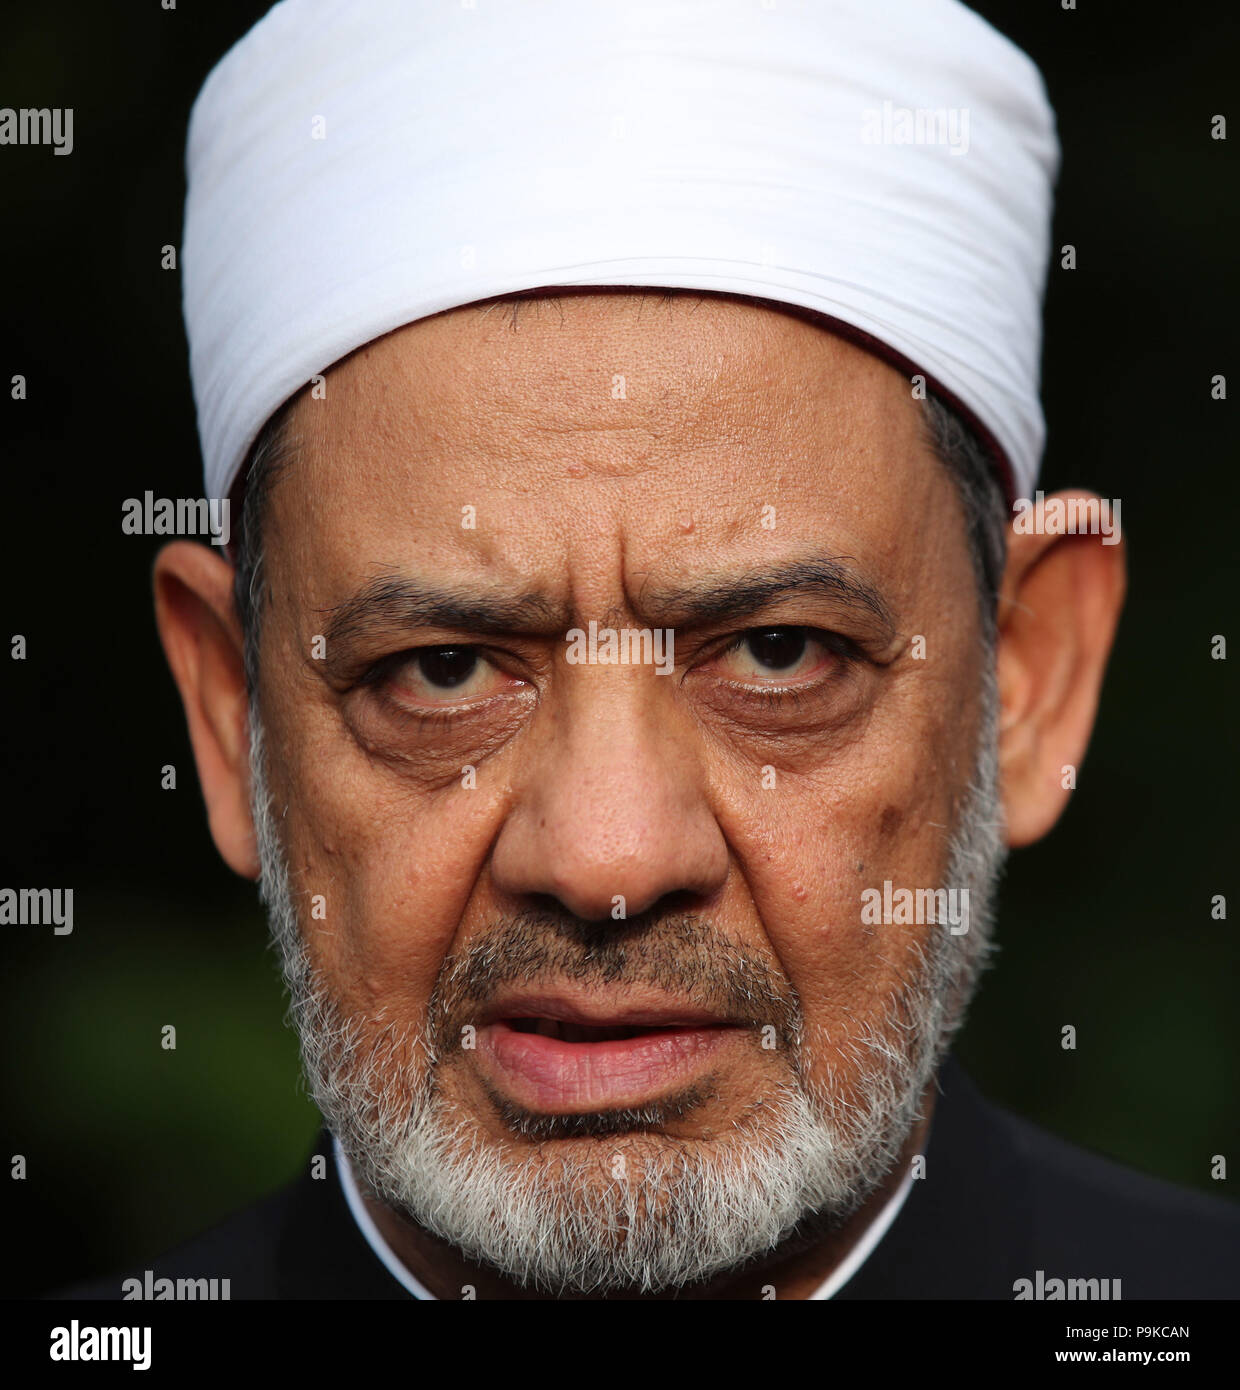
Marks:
<point>840,1276</point>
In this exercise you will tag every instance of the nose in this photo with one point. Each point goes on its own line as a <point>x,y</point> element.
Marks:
<point>611,812</point>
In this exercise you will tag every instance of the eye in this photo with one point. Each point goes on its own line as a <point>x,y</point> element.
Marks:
<point>441,675</point>
<point>768,655</point>
<point>446,667</point>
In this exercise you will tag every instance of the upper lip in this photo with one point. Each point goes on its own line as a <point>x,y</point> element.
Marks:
<point>596,1013</point>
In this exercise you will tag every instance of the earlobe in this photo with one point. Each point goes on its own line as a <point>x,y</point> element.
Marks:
<point>1059,609</point>
<point>203,643</point>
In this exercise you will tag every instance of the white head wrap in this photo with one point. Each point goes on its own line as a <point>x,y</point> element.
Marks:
<point>355,165</point>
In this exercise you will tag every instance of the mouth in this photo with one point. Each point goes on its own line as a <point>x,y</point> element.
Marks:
<point>564,1031</point>
<point>553,1056</point>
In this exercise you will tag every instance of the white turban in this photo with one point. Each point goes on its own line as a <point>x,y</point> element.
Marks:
<point>355,165</point>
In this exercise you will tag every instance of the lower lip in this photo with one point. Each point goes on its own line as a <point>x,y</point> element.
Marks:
<point>551,1076</point>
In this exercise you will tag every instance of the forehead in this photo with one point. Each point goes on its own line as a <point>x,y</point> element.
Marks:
<point>550,437</point>
<point>678,369</point>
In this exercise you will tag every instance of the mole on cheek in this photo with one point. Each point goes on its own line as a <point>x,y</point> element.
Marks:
<point>892,819</point>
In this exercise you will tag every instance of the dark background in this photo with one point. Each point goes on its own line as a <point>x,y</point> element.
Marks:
<point>1106,925</point>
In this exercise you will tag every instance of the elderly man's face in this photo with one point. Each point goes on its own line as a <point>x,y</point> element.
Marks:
<point>604,969</point>
<point>513,852</point>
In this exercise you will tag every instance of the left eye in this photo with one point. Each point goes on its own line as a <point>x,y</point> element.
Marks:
<point>429,672</point>
<point>780,652</point>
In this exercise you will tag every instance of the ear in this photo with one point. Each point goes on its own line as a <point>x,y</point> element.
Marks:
<point>1058,611</point>
<point>203,643</point>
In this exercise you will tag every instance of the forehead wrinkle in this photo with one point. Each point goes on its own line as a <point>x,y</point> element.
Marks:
<point>547,405</point>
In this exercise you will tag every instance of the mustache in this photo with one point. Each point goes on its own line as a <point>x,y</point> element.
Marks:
<point>682,954</point>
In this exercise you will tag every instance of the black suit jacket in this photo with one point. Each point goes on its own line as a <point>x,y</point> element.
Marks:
<point>1001,1200</point>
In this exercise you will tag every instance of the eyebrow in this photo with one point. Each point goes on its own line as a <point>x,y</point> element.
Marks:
<point>391,604</point>
<point>733,598</point>
<point>397,603</point>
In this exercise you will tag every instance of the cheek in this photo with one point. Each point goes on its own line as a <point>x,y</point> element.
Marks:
<point>395,867</point>
<point>812,848</point>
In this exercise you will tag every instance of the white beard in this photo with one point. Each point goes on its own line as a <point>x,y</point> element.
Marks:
<point>674,1212</point>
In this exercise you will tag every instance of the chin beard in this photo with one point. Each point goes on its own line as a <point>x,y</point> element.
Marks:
<point>611,1203</point>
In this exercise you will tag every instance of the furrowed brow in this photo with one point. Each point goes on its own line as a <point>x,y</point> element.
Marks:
<point>733,599</point>
<point>393,604</point>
